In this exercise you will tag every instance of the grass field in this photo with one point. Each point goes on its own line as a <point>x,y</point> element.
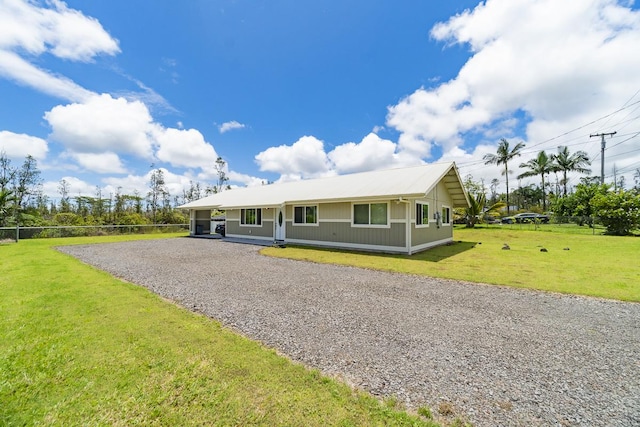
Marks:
<point>594,265</point>
<point>79,347</point>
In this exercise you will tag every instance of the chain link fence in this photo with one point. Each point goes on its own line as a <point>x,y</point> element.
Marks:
<point>17,233</point>
<point>579,225</point>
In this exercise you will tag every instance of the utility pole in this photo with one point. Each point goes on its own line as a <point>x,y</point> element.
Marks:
<point>602,146</point>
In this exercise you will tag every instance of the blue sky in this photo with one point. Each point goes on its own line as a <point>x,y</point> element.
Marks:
<point>282,90</point>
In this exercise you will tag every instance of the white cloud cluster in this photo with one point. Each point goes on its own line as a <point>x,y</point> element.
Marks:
<point>98,131</point>
<point>18,146</point>
<point>27,30</point>
<point>227,126</point>
<point>538,65</point>
<point>103,123</point>
<point>185,148</point>
<point>307,158</point>
<point>559,65</point>
<point>304,158</point>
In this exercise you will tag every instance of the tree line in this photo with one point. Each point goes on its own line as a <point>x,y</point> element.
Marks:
<point>24,203</point>
<point>617,208</point>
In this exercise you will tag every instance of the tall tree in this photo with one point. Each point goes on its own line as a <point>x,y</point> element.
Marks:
<point>221,173</point>
<point>567,162</point>
<point>7,172</point>
<point>502,157</point>
<point>7,201</point>
<point>63,189</point>
<point>158,192</point>
<point>541,165</point>
<point>27,180</point>
<point>494,189</point>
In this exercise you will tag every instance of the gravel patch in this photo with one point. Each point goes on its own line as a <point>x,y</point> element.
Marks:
<point>498,356</point>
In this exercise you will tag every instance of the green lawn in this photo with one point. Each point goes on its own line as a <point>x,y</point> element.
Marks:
<point>79,347</point>
<point>595,265</point>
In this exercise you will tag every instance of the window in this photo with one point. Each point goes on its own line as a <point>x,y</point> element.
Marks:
<point>305,215</point>
<point>422,214</point>
<point>370,214</point>
<point>446,215</point>
<point>251,216</point>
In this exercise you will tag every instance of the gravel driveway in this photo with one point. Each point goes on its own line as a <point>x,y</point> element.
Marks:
<point>498,356</point>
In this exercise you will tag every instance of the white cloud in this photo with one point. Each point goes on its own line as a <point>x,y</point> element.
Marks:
<point>552,66</point>
<point>305,158</point>
<point>185,148</point>
<point>117,126</point>
<point>76,187</point>
<point>371,153</point>
<point>18,145</point>
<point>28,30</point>
<point>102,163</point>
<point>131,184</point>
<point>227,126</point>
<point>65,32</point>
<point>102,124</point>
<point>15,68</point>
<point>248,180</point>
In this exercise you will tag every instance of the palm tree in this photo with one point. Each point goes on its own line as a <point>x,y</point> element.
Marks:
<point>502,157</point>
<point>476,208</point>
<point>566,162</point>
<point>541,165</point>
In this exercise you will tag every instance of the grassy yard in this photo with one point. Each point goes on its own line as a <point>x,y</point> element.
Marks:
<point>594,265</point>
<point>79,347</point>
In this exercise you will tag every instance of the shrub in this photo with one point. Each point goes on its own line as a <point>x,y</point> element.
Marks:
<point>619,211</point>
<point>425,412</point>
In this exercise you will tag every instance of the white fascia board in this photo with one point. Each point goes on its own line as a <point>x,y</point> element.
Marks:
<point>390,197</point>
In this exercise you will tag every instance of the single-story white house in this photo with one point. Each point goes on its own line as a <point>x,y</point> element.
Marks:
<point>402,210</point>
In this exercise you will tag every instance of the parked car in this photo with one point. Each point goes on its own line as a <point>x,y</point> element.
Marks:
<point>221,228</point>
<point>526,217</point>
<point>491,220</point>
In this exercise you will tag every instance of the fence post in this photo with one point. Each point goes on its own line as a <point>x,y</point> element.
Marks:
<point>17,231</point>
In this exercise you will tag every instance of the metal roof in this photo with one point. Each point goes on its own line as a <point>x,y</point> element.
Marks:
<point>413,181</point>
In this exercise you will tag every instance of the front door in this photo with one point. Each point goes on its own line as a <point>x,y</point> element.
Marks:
<point>280,224</point>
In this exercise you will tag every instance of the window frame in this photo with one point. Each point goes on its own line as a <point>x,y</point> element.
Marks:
<point>304,217</point>
<point>387,223</point>
<point>423,224</point>
<point>448,216</point>
<point>258,217</point>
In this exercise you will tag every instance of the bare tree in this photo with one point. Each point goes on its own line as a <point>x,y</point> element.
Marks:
<point>63,189</point>
<point>157,192</point>
<point>222,178</point>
